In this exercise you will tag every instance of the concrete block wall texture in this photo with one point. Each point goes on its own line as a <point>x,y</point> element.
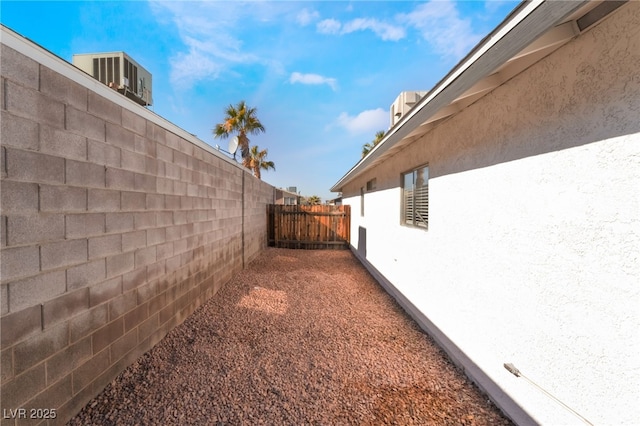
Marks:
<point>115,228</point>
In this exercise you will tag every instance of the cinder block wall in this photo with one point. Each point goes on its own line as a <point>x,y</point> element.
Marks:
<point>116,226</point>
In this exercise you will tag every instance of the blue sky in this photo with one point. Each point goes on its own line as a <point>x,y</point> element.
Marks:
<point>322,75</point>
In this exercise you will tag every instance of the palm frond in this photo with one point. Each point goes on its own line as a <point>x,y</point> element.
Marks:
<point>257,161</point>
<point>367,147</point>
<point>241,120</point>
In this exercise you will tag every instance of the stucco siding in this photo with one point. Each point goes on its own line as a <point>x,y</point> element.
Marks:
<point>531,255</point>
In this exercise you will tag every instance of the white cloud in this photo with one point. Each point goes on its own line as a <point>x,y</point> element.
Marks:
<point>315,79</point>
<point>305,17</point>
<point>440,24</point>
<point>192,65</point>
<point>382,29</point>
<point>206,59</point>
<point>369,121</point>
<point>213,45</point>
<point>328,26</point>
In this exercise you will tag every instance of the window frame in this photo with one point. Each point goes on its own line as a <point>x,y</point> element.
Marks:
<point>419,202</point>
<point>371,184</point>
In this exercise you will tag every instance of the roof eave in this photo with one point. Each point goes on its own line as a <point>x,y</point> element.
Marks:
<point>528,21</point>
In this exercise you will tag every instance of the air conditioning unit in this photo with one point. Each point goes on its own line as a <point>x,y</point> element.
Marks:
<point>403,103</point>
<point>120,72</point>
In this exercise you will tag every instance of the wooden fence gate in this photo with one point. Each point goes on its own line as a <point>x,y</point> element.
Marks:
<point>309,227</point>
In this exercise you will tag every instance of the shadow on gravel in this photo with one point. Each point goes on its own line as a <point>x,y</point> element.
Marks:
<point>299,337</point>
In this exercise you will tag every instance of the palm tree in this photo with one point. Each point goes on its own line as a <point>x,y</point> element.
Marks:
<point>242,120</point>
<point>369,146</point>
<point>258,161</point>
<point>313,200</point>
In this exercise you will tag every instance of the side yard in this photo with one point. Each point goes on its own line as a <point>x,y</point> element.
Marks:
<point>298,337</point>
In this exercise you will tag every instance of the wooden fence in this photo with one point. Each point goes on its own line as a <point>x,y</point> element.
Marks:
<point>309,227</point>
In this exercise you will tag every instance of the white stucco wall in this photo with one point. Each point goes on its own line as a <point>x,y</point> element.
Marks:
<point>532,253</point>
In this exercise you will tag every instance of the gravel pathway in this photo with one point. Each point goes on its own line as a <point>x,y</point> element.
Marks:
<point>299,337</point>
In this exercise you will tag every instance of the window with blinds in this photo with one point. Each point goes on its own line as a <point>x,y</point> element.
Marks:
<point>415,197</point>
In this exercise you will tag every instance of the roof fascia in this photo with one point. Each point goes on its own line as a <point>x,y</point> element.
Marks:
<point>528,21</point>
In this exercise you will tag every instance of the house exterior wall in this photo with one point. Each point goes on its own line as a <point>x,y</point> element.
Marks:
<point>531,256</point>
<point>287,198</point>
<point>116,225</point>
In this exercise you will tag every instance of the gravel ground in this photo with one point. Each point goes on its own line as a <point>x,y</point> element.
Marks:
<point>299,337</point>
